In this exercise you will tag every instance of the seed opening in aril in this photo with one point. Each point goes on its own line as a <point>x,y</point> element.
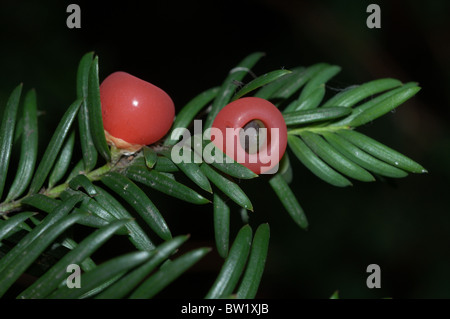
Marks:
<point>253,136</point>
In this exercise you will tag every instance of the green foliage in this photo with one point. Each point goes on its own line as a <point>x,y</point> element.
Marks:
<point>228,87</point>
<point>321,135</point>
<point>94,112</point>
<point>6,133</point>
<point>28,147</point>
<point>134,196</point>
<point>165,184</point>
<point>221,224</point>
<point>256,262</point>
<point>52,150</point>
<point>259,82</point>
<point>287,198</point>
<point>234,265</point>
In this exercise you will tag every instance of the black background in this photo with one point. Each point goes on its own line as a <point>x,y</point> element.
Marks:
<point>188,46</point>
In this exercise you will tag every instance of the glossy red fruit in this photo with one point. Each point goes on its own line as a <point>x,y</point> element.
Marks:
<point>251,112</point>
<point>135,112</point>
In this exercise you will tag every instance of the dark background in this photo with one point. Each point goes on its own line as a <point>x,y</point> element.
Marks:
<point>188,46</point>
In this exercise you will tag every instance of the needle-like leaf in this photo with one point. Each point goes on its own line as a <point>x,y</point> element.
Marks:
<point>283,86</point>
<point>315,115</point>
<point>384,106</point>
<point>312,101</point>
<point>256,263</point>
<point>335,159</point>
<point>6,133</point>
<point>137,235</point>
<point>193,172</point>
<point>150,156</point>
<point>28,148</point>
<point>134,196</point>
<point>7,227</point>
<point>58,210</point>
<point>296,81</point>
<point>76,170</point>
<point>363,159</point>
<point>184,158</point>
<point>233,266</point>
<point>83,182</point>
<point>53,148</point>
<point>87,144</point>
<point>286,168</point>
<point>303,77</point>
<point>189,112</point>
<point>164,184</point>
<point>228,87</point>
<point>230,188</point>
<point>355,94</point>
<point>382,152</point>
<point>95,112</point>
<point>88,263</point>
<point>379,100</point>
<point>51,279</point>
<point>102,274</point>
<point>90,205</point>
<point>63,161</point>
<point>319,79</point>
<point>221,225</point>
<point>41,202</point>
<point>95,219</point>
<point>167,274</point>
<point>164,164</point>
<point>288,200</point>
<point>28,254</point>
<point>315,164</point>
<point>222,162</point>
<point>259,82</point>
<point>126,284</point>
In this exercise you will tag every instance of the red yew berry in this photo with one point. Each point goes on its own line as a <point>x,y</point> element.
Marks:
<point>135,113</point>
<point>254,133</point>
